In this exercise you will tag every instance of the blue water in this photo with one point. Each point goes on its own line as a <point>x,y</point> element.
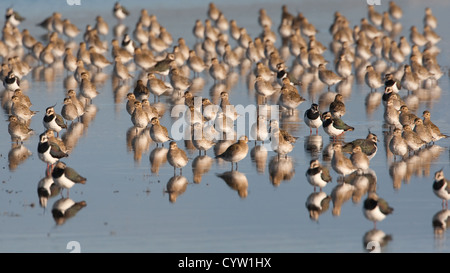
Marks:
<point>128,209</point>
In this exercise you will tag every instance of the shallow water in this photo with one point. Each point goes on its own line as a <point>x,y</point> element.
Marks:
<point>127,206</point>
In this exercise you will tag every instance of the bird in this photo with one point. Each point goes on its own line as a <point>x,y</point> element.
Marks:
<point>98,60</point>
<point>369,145</point>
<point>164,66</point>
<point>23,112</point>
<point>290,99</point>
<point>66,177</point>
<point>69,110</point>
<point>313,118</point>
<point>75,100</point>
<point>340,163</point>
<point>406,117</point>
<point>372,78</point>
<point>337,106</point>
<point>283,73</point>
<point>139,117</point>
<point>87,88</point>
<point>395,11</point>
<point>217,70</point>
<point>11,82</point>
<point>359,159</point>
<point>120,12</point>
<point>179,82</point>
<point>120,70</point>
<point>201,141</point>
<point>318,175</point>
<point>177,157</point>
<point>264,88</point>
<point>156,86</point>
<point>158,132</point>
<point>49,152</point>
<point>281,143</point>
<point>435,131</point>
<point>53,120</point>
<point>317,203</point>
<point>333,126</point>
<point>397,145</point>
<point>376,209</point>
<point>422,131</point>
<point>141,90</point>
<point>390,81</point>
<point>411,138</point>
<point>328,77</point>
<point>441,187</point>
<point>235,152</point>
<point>13,17</point>
<point>343,67</point>
<point>195,63</point>
<point>18,130</point>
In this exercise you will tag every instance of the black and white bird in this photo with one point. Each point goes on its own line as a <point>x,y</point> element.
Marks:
<point>312,118</point>
<point>49,152</point>
<point>441,187</point>
<point>11,82</point>
<point>318,175</point>
<point>66,177</point>
<point>53,121</point>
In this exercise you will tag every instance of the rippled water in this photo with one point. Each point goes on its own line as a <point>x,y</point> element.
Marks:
<point>127,206</point>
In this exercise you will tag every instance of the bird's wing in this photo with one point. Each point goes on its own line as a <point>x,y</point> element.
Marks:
<point>326,174</point>
<point>56,151</point>
<point>74,175</point>
<point>340,124</point>
<point>60,121</point>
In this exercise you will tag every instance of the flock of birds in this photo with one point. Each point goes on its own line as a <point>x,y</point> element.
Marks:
<point>148,62</point>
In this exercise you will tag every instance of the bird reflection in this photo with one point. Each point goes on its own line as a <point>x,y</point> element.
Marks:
<point>317,203</point>
<point>341,194</point>
<point>258,156</point>
<point>176,186</point>
<point>17,155</point>
<point>46,189</point>
<point>397,171</point>
<point>89,114</point>
<point>314,145</point>
<point>281,169</point>
<point>200,166</point>
<point>364,181</point>
<point>236,181</point>
<point>158,157</point>
<point>65,208</point>
<point>372,101</point>
<point>375,240</point>
<point>141,143</point>
<point>72,135</point>
<point>440,222</point>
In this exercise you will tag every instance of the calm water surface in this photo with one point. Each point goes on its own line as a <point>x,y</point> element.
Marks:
<point>127,207</point>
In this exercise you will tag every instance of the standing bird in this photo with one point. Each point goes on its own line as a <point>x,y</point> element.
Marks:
<point>412,139</point>
<point>156,86</point>
<point>235,152</point>
<point>290,99</point>
<point>313,118</point>
<point>264,88</point>
<point>66,177</point>
<point>328,77</point>
<point>11,82</point>
<point>318,175</point>
<point>340,163</point>
<point>141,91</point>
<point>441,188</point>
<point>397,145</point>
<point>372,78</point>
<point>435,132</point>
<point>53,121</point>
<point>69,111</point>
<point>375,209</point>
<point>369,145</point>
<point>359,159</point>
<point>177,157</point>
<point>158,133</point>
<point>334,126</point>
<point>49,152</point>
<point>18,130</point>
<point>337,107</point>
